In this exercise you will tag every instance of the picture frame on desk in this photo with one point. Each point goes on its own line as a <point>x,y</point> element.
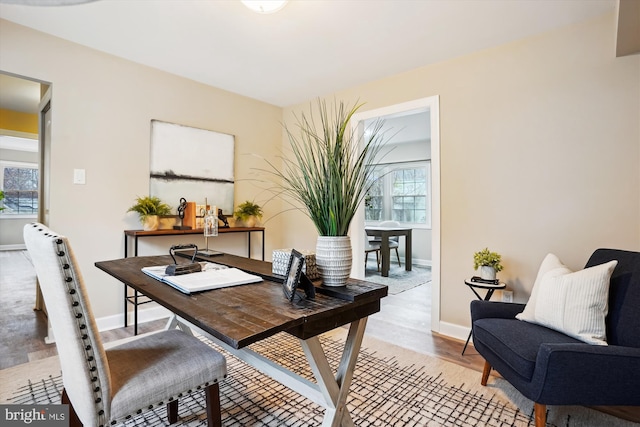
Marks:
<point>292,278</point>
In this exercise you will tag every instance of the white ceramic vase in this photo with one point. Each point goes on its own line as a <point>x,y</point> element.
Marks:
<point>487,272</point>
<point>334,259</point>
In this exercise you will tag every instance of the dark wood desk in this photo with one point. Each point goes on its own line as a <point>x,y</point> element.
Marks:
<point>384,233</point>
<point>238,316</point>
<point>135,299</point>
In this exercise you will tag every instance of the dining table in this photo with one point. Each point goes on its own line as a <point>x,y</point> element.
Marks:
<point>385,233</point>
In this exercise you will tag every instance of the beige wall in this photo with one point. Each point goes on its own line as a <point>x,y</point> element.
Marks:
<point>540,152</point>
<point>102,107</point>
<point>543,132</point>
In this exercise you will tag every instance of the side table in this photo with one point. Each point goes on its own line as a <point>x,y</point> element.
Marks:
<point>490,288</point>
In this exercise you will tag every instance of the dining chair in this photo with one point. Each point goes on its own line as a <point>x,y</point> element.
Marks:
<point>371,246</point>
<point>394,241</point>
<point>105,387</point>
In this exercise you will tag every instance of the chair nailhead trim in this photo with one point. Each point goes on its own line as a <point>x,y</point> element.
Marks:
<point>76,304</point>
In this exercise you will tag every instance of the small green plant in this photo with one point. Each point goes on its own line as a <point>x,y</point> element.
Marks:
<point>246,210</point>
<point>1,199</point>
<point>487,258</point>
<point>148,205</point>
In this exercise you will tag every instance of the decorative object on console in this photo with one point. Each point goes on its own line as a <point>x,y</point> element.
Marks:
<point>280,261</point>
<point>489,263</point>
<point>329,175</point>
<point>149,208</point>
<point>210,229</point>
<point>181,214</point>
<point>222,217</point>
<point>248,214</point>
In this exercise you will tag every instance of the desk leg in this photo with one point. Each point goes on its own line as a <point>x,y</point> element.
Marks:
<point>335,390</point>
<point>329,391</point>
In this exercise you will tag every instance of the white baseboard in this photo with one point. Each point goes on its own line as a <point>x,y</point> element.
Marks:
<point>454,331</point>
<point>115,321</point>
<point>20,247</point>
<point>420,262</point>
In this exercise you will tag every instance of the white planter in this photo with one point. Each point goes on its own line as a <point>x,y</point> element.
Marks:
<point>487,272</point>
<point>334,259</point>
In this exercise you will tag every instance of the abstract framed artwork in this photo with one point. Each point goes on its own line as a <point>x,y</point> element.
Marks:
<point>191,163</point>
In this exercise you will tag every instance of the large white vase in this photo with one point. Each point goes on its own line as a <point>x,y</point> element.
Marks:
<point>334,259</point>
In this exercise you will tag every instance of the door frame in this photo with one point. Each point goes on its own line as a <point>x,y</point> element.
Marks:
<point>431,104</point>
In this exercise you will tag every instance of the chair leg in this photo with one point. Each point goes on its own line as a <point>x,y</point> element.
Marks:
<point>172,411</point>
<point>74,421</point>
<point>540,414</point>
<point>398,256</point>
<point>485,373</point>
<point>378,259</point>
<point>214,414</point>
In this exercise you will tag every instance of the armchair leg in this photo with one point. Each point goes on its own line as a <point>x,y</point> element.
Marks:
<point>172,411</point>
<point>214,414</point>
<point>485,373</point>
<point>74,420</point>
<point>540,414</point>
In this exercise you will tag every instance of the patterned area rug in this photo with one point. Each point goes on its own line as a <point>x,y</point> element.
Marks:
<point>399,279</point>
<point>391,387</point>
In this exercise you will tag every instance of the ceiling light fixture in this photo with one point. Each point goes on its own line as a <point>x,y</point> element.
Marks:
<point>265,6</point>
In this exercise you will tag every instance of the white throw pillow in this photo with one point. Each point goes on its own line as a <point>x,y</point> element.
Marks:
<point>574,303</point>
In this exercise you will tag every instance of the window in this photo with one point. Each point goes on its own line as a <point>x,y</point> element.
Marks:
<point>19,181</point>
<point>400,192</point>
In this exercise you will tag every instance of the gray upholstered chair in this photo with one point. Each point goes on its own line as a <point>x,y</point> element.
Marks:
<point>106,387</point>
<point>394,241</point>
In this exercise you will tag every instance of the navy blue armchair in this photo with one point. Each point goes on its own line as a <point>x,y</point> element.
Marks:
<point>551,368</point>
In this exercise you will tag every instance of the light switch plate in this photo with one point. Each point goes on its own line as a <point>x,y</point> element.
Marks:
<point>79,176</point>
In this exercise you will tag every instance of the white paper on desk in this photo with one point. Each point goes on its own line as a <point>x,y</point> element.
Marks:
<point>212,276</point>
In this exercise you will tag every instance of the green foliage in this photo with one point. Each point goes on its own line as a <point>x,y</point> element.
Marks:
<point>328,171</point>
<point>146,206</point>
<point>1,199</point>
<point>487,258</point>
<point>246,210</point>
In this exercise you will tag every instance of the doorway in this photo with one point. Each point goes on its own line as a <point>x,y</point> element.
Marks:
<point>430,106</point>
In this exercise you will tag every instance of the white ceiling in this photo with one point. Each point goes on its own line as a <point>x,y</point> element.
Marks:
<point>310,48</point>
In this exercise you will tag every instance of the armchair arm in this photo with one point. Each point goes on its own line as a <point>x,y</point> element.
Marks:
<point>494,309</point>
<point>584,374</point>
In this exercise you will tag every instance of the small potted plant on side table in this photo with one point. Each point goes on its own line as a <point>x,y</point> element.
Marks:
<point>489,263</point>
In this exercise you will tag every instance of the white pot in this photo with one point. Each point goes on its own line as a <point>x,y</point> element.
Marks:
<point>487,272</point>
<point>334,259</point>
<point>151,223</point>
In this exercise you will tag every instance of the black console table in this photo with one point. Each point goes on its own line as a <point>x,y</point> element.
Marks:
<point>136,299</point>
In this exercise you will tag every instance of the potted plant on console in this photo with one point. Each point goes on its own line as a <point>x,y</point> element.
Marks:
<point>150,208</point>
<point>247,214</point>
<point>329,174</point>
